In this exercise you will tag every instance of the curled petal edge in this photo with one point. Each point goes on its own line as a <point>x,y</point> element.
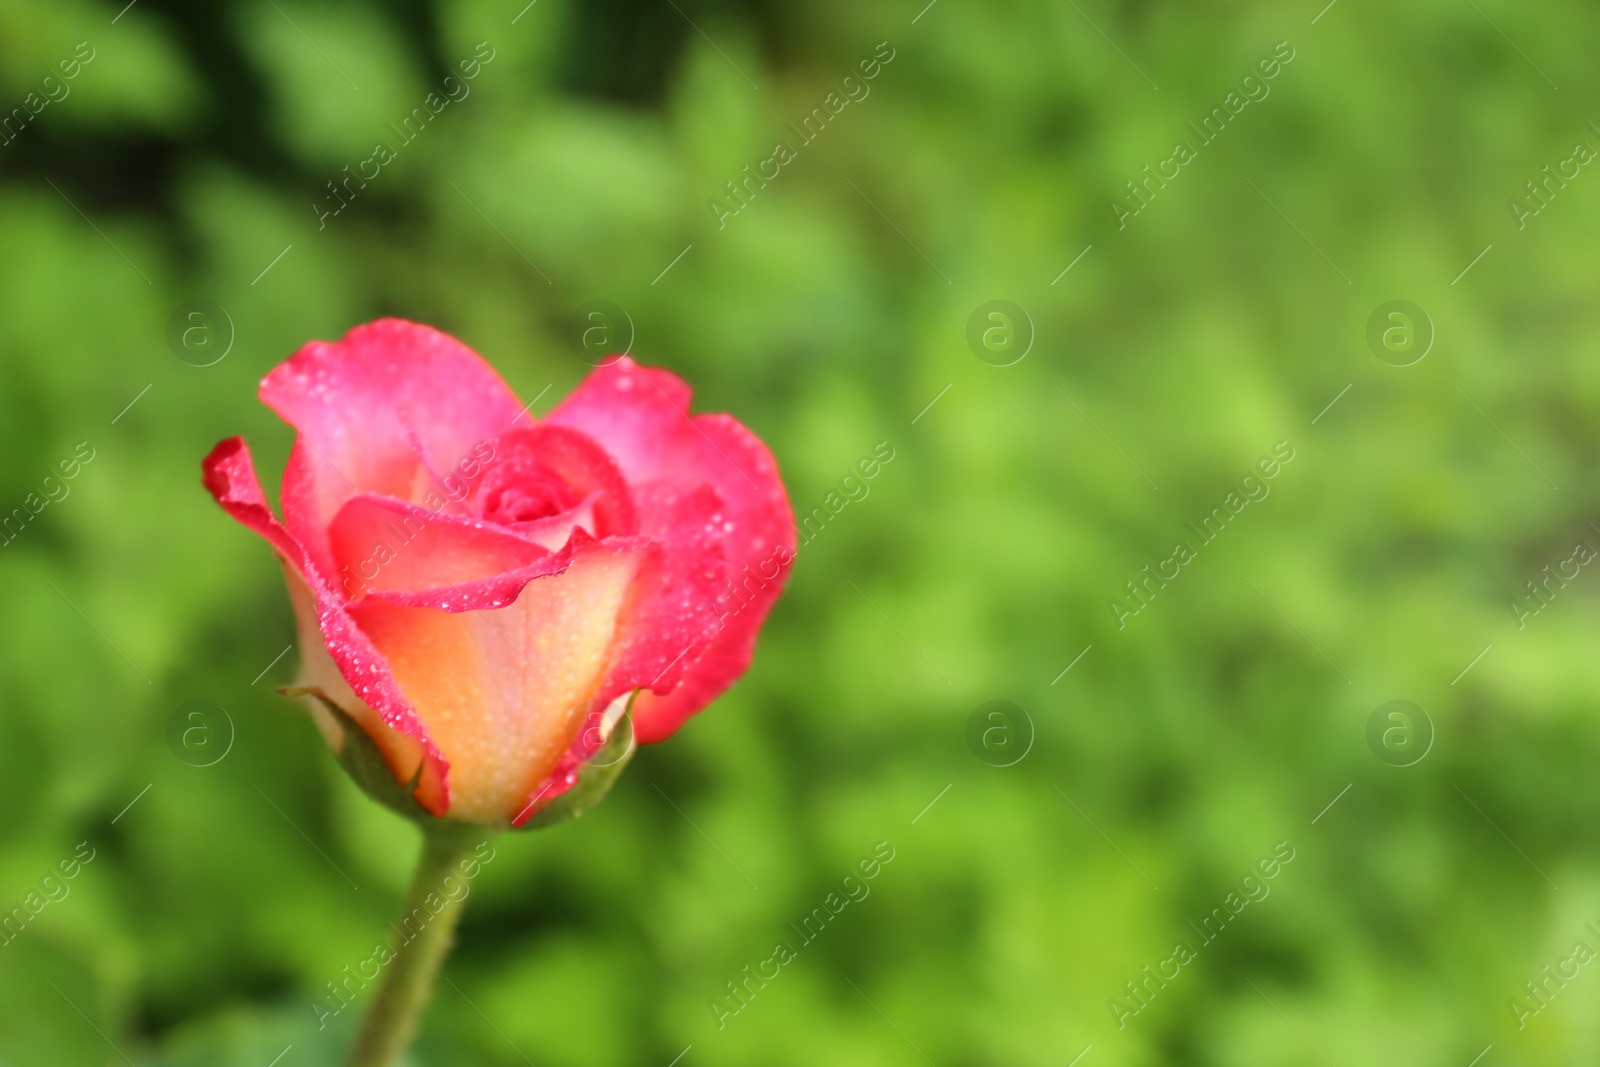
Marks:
<point>230,477</point>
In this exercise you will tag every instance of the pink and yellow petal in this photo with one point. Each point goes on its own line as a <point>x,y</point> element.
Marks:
<point>504,692</point>
<point>385,545</point>
<point>368,405</point>
<point>338,657</point>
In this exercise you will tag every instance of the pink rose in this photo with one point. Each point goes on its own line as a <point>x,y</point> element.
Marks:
<point>482,591</point>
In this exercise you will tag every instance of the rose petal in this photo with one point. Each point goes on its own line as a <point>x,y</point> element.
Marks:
<point>675,599</point>
<point>505,691</point>
<point>385,545</point>
<point>641,416</point>
<point>556,531</point>
<point>573,457</point>
<point>506,678</point>
<point>336,656</point>
<point>360,403</point>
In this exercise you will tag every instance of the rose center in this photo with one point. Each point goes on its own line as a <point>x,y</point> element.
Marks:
<point>536,494</point>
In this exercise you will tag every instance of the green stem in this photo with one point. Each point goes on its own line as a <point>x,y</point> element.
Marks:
<point>392,1020</point>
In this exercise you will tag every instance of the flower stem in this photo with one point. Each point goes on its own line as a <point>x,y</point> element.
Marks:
<point>391,1022</point>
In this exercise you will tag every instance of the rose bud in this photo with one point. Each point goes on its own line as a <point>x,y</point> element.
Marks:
<point>491,606</point>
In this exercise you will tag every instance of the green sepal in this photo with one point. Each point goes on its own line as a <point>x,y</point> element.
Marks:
<point>363,761</point>
<point>360,757</point>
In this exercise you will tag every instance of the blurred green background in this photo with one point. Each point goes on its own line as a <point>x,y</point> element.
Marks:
<point>186,161</point>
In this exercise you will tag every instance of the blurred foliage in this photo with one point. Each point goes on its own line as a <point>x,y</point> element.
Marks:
<point>191,152</point>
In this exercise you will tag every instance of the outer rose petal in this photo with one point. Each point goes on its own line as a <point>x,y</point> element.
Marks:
<point>505,691</point>
<point>506,670</point>
<point>404,754</point>
<point>678,593</point>
<point>338,658</point>
<point>367,405</point>
<point>640,415</point>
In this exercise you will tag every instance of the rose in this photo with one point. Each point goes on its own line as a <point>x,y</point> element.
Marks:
<point>482,592</point>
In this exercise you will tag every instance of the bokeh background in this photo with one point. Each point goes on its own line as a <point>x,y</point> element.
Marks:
<point>189,160</point>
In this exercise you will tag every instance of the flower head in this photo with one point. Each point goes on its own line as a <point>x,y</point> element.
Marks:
<point>482,592</point>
